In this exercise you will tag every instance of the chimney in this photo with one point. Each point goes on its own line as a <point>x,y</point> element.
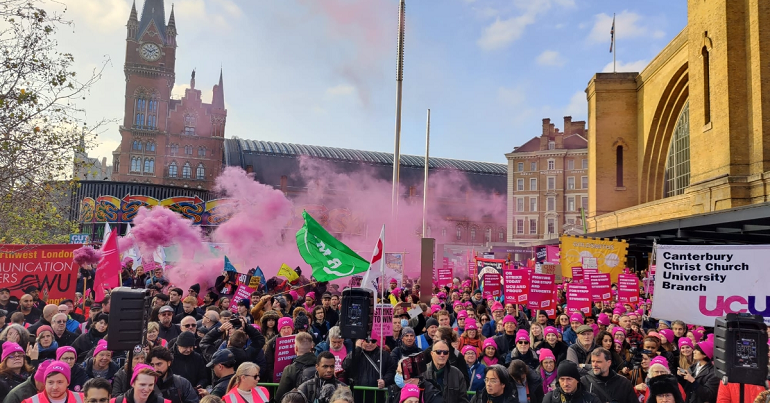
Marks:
<point>568,125</point>
<point>546,126</point>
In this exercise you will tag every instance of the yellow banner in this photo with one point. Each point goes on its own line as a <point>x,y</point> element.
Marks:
<point>287,272</point>
<point>610,254</point>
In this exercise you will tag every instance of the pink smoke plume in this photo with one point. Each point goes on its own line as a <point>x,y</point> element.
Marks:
<point>86,255</point>
<point>162,227</point>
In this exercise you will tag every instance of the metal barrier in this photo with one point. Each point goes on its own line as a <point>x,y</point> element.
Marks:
<point>368,392</point>
<point>271,388</point>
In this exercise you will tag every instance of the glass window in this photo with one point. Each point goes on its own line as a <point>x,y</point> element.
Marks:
<point>136,164</point>
<point>190,131</point>
<point>585,163</point>
<point>533,166</point>
<point>141,111</point>
<point>551,226</point>
<point>149,165</point>
<point>584,203</point>
<point>174,149</point>
<point>584,182</point>
<point>519,226</point>
<point>201,151</point>
<point>488,235</point>
<point>520,204</point>
<point>459,233</point>
<point>520,184</point>
<point>533,226</point>
<point>551,145</point>
<point>571,221</point>
<point>473,233</point>
<point>571,183</point>
<point>570,164</point>
<point>520,166</point>
<point>172,170</point>
<point>532,184</point>
<point>551,204</point>
<point>200,172</point>
<point>532,204</point>
<point>188,150</point>
<point>551,165</point>
<point>137,145</point>
<point>186,170</point>
<point>551,183</point>
<point>570,204</point>
<point>150,146</point>
<point>500,235</point>
<point>677,176</point>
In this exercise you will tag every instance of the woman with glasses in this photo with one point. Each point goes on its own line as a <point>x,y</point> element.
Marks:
<point>243,386</point>
<point>451,381</point>
<point>78,375</point>
<point>497,387</point>
<point>13,368</point>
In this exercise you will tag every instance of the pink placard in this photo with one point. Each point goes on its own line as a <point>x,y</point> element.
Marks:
<point>383,317</point>
<point>492,285</point>
<point>444,276</point>
<point>516,282</point>
<point>284,355</point>
<point>242,292</point>
<point>601,287</point>
<point>628,288</point>
<point>541,288</point>
<point>578,299</point>
<point>577,274</point>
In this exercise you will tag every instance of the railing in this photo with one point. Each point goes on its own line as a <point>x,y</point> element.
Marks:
<point>369,392</point>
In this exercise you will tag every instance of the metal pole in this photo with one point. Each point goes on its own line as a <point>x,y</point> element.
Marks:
<point>614,44</point>
<point>425,185</point>
<point>399,82</point>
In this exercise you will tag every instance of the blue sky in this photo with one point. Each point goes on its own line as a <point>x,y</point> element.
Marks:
<point>322,72</point>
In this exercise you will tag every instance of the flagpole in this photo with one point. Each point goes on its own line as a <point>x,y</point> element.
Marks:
<point>399,82</point>
<point>425,185</point>
<point>382,294</point>
<point>614,44</point>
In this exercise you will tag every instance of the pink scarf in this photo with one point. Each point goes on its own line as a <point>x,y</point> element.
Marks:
<point>489,361</point>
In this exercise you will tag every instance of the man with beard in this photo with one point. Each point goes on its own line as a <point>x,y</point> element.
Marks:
<point>173,387</point>
<point>6,303</point>
<point>187,363</point>
<point>330,314</point>
<point>569,389</point>
<point>323,384</point>
<point>62,336</point>
<point>27,308</point>
<point>604,382</point>
<point>223,366</point>
<point>35,293</point>
<point>168,330</point>
<point>339,348</point>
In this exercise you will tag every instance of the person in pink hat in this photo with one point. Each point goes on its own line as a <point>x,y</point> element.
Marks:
<point>31,387</point>
<point>459,325</point>
<point>475,368</point>
<point>686,352</point>
<point>523,350</point>
<point>569,335</point>
<point>490,328</point>
<point>547,370</point>
<point>143,381</point>
<point>57,380</point>
<point>603,321</point>
<point>701,383</point>
<point>506,342</point>
<point>551,341</point>
<point>409,394</point>
<point>471,336</point>
<point>13,368</point>
<point>489,353</point>
<point>78,376</point>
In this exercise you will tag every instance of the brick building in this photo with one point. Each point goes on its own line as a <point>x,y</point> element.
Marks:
<point>176,142</point>
<point>548,184</point>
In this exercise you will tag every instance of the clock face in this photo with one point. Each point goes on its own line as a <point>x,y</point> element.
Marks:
<point>150,51</point>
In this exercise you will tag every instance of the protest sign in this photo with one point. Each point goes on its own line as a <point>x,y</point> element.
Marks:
<point>608,256</point>
<point>383,318</point>
<point>601,287</point>
<point>540,291</point>
<point>444,276</point>
<point>577,274</point>
<point>516,282</point>
<point>242,292</point>
<point>492,285</point>
<point>628,288</point>
<point>284,355</point>
<point>578,299</point>
<point>44,266</point>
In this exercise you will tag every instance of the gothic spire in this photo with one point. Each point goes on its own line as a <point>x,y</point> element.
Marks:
<point>133,17</point>
<point>153,11</point>
<point>171,20</point>
<point>218,99</point>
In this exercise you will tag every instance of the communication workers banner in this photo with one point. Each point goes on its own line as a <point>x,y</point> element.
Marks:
<point>697,284</point>
<point>44,266</point>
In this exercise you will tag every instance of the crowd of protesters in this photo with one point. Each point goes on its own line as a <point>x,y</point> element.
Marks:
<point>199,350</point>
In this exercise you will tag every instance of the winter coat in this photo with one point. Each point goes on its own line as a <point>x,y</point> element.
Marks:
<point>220,386</point>
<point>112,369</point>
<point>403,351</point>
<point>483,397</point>
<point>191,367</point>
<point>361,372</point>
<point>8,382</point>
<point>120,382</point>
<point>85,343</point>
<point>319,331</point>
<point>455,359</point>
<point>559,350</point>
<point>324,346</point>
<point>704,388</point>
<point>580,396</point>
<point>292,374</point>
<point>614,388</point>
<point>177,389</point>
<point>476,376</point>
<point>578,354</point>
<point>312,388</point>
<point>22,391</point>
<point>66,339</point>
<point>78,378</point>
<point>534,384</point>
<point>454,388</point>
<point>730,393</point>
<point>530,358</point>
<point>569,336</point>
<point>169,333</point>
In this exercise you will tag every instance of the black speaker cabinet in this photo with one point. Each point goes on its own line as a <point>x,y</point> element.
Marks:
<point>740,348</point>
<point>127,318</point>
<point>356,313</point>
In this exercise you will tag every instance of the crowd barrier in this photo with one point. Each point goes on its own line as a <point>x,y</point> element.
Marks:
<point>366,390</point>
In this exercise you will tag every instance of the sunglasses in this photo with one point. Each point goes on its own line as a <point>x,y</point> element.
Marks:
<point>189,325</point>
<point>522,342</point>
<point>441,352</point>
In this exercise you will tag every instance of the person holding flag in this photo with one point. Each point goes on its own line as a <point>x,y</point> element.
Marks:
<point>225,284</point>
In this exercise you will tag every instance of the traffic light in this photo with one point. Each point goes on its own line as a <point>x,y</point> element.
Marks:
<point>356,313</point>
<point>740,349</point>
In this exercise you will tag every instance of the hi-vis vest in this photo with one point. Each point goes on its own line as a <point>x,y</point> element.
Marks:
<point>72,397</point>
<point>259,394</point>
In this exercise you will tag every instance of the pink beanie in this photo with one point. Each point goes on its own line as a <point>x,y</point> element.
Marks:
<point>698,334</point>
<point>618,311</point>
<point>497,306</point>
<point>576,317</point>
<point>653,333</point>
<point>285,321</point>
<point>100,346</point>
<point>136,370</point>
<point>44,328</point>
<point>66,349</point>
<point>708,348</point>
<point>9,348</point>
<point>408,391</point>
<point>435,308</point>
<point>294,295</point>
<point>618,329</point>
<point>659,360</point>
<point>470,324</point>
<point>509,319</point>
<point>546,354</point>
<point>685,341</point>
<point>522,335</point>
<point>40,373</point>
<point>668,334</point>
<point>710,337</point>
<point>550,329</point>
<point>467,348</point>
<point>603,319</point>
<point>60,367</point>
<point>462,315</point>
<point>489,342</point>
<point>310,295</point>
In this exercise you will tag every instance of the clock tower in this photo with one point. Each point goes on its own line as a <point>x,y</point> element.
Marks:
<point>167,141</point>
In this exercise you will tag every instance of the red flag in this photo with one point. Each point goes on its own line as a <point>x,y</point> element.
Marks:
<point>108,270</point>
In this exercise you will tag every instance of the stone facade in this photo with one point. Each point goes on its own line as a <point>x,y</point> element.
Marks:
<point>711,100</point>
<point>547,184</point>
<point>176,142</point>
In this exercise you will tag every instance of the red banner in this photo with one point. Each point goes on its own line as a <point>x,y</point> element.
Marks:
<point>516,284</point>
<point>552,311</point>
<point>541,288</point>
<point>577,274</point>
<point>578,299</point>
<point>284,355</point>
<point>48,267</point>
<point>444,276</point>
<point>601,287</point>
<point>492,285</point>
<point>628,289</point>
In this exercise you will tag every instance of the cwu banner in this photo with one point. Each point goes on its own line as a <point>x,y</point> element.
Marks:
<point>697,284</point>
<point>44,266</point>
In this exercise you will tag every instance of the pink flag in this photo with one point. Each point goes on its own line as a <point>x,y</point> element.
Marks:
<point>108,269</point>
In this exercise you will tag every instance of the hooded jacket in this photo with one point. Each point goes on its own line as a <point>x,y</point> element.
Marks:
<point>579,396</point>
<point>292,374</point>
<point>191,367</point>
<point>612,388</point>
<point>112,369</point>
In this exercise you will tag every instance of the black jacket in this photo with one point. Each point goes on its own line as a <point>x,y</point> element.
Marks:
<point>220,386</point>
<point>78,378</point>
<point>363,371</point>
<point>85,343</point>
<point>111,370</point>
<point>169,333</point>
<point>120,382</point>
<point>534,385</point>
<point>613,388</point>
<point>454,388</point>
<point>312,388</point>
<point>8,382</point>
<point>482,397</point>
<point>559,350</point>
<point>705,387</point>
<point>403,351</point>
<point>32,329</point>
<point>66,339</point>
<point>177,389</point>
<point>580,396</point>
<point>530,358</point>
<point>191,367</point>
<point>292,374</point>
<point>212,341</point>
<point>22,391</point>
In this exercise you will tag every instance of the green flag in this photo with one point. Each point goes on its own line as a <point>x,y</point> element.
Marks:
<point>329,258</point>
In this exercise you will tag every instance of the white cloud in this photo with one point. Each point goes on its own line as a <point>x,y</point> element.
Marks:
<point>566,3</point>
<point>511,97</point>
<point>550,58</point>
<point>627,25</point>
<point>503,32</point>
<point>635,67</point>
<point>578,106</point>
<point>102,16</point>
<point>341,89</point>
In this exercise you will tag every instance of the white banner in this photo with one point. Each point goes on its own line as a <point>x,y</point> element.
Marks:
<point>698,284</point>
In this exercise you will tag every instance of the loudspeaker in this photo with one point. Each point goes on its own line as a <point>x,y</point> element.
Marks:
<point>127,318</point>
<point>740,348</point>
<point>356,313</point>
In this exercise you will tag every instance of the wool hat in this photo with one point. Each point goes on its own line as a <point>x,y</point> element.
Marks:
<point>431,322</point>
<point>595,327</point>
<point>618,342</point>
<point>140,367</point>
<point>497,306</point>
<point>441,295</point>
<point>685,341</point>
<point>568,369</point>
<point>664,322</point>
<point>618,311</point>
<point>60,367</point>
<point>396,291</point>
<point>9,348</point>
<point>407,330</point>
<point>477,291</point>
<point>509,319</point>
<point>550,329</point>
<point>44,328</point>
<point>196,288</point>
<point>618,305</point>
<point>301,323</point>
<point>470,324</point>
<point>707,348</point>
<point>618,329</point>
<point>186,339</point>
<point>489,342</point>
<point>584,329</point>
<point>65,349</point>
<point>668,334</point>
<point>467,348</point>
<point>576,317</point>
<point>408,391</point>
<point>127,260</point>
<point>285,321</point>
<point>710,337</point>
<point>393,281</point>
<point>462,315</point>
<point>468,304</point>
<point>435,308</point>
<point>100,346</point>
<point>40,373</point>
<point>659,360</point>
<point>698,334</point>
<point>663,384</point>
<point>293,295</point>
<point>653,333</point>
<point>546,354</point>
<point>522,335</point>
<point>310,295</point>
<point>603,319</point>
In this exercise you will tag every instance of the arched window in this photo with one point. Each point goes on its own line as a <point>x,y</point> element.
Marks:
<point>677,176</point>
<point>150,146</point>
<point>146,112</point>
<point>137,145</point>
<point>200,172</point>
<point>488,235</point>
<point>706,84</point>
<point>201,151</point>
<point>619,167</point>
<point>188,150</point>
<point>172,170</point>
<point>500,235</point>
<point>186,170</point>
<point>136,164</point>
<point>149,165</point>
<point>141,112</point>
